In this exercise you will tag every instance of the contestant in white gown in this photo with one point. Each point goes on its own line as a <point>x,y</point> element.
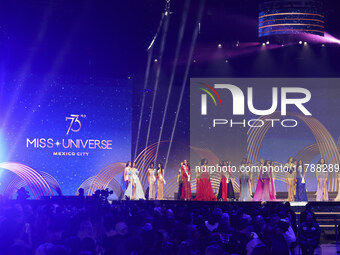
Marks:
<point>135,190</point>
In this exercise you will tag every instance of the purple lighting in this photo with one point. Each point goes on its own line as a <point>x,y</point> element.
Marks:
<point>327,38</point>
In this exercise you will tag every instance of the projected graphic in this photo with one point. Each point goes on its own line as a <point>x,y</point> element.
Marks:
<point>273,119</point>
<point>64,129</point>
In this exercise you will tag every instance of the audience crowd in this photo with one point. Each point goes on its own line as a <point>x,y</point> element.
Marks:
<point>141,227</point>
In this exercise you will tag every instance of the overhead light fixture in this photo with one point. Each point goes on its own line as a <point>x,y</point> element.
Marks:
<point>285,17</point>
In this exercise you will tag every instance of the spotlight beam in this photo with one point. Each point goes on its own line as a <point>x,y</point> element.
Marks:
<point>173,72</point>
<point>157,32</point>
<point>28,64</point>
<point>191,52</point>
<point>147,72</point>
<point>164,34</point>
<point>164,15</point>
<point>49,76</point>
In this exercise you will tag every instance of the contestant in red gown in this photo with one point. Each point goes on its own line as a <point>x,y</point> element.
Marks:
<point>204,191</point>
<point>185,174</point>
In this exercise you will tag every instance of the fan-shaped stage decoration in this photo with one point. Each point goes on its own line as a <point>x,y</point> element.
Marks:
<point>325,142</point>
<point>32,178</point>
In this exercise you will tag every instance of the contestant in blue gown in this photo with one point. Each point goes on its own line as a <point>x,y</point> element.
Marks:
<point>300,193</point>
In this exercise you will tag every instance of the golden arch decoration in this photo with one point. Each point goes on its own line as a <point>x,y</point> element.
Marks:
<point>105,176</point>
<point>16,183</point>
<point>34,180</point>
<point>325,142</point>
<point>308,153</point>
<point>113,185</point>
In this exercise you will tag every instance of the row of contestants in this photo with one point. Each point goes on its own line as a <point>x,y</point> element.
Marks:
<point>296,180</point>
<point>265,189</point>
<point>295,177</point>
<point>204,191</point>
<point>133,186</point>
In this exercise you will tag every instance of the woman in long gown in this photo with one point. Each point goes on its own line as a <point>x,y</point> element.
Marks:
<point>322,179</point>
<point>265,186</point>
<point>290,177</point>
<point>152,181</point>
<point>186,187</point>
<point>219,193</point>
<point>135,190</point>
<point>245,179</point>
<point>204,191</point>
<point>223,190</point>
<point>180,182</point>
<point>336,168</point>
<point>300,193</point>
<point>230,192</point>
<point>199,190</point>
<point>273,176</point>
<point>160,182</point>
<point>126,179</point>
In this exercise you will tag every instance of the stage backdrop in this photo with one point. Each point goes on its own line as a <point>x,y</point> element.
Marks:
<point>70,128</point>
<point>223,114</point>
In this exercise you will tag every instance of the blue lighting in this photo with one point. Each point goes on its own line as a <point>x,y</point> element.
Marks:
<point>2,148</point>
<point>291,21</point>
<point>2,151</point>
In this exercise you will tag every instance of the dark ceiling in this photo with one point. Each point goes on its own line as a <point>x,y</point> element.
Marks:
<point>110,37</point>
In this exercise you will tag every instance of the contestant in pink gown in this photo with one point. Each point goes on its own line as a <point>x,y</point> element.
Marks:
<point>265,187</point>
<point>322,179</point>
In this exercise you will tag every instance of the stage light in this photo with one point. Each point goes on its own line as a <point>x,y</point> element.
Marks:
<point>219,46</point>
<point>300,42</point>
<point>156,60</point>
<point>267,42</point>
<point>173,72</point>
<point>227,61</point>
<point>323,45</point>
<point>305,43</point>
<point>194,61</point>
<point>263,44</point>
